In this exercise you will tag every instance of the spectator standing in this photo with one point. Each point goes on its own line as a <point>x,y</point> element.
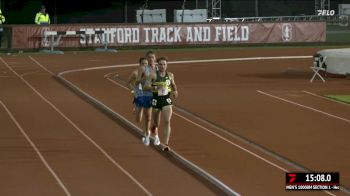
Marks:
<point>2,21</point>
<point>42,18</point>
<point>2,17</point>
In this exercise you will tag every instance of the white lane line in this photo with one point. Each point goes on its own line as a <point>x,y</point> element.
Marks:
<point>232,143</point>
<point>217,135</point>
<point>326,98</point>
<point>304,106</point>
<point>242,59</point>
<point>108,74</point>
<point>116,73</point>
<point>36,150</point>
<point>80,131</point>
<point>44,68</point>
<point>116,83</point>
<point>193,61</point>
<point>31,73</point>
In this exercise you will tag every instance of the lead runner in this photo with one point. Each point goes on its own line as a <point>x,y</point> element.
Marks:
<point>164,90</point>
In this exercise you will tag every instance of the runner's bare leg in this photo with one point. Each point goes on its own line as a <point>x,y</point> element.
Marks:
<point>167,113</point>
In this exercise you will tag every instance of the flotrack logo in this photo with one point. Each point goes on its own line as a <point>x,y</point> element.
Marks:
<point>325,12</point>
<point>287,32</point>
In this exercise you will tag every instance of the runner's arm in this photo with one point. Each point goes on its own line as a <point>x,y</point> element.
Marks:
<point>139,75</point>
<point>173,86</point>
<point>151,86</point>
<point>132,81</point>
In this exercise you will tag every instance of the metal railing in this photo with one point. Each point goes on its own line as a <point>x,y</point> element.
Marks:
<point>341,20</point>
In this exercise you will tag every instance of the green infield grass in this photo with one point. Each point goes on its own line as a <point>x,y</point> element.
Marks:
<point>342,98</point>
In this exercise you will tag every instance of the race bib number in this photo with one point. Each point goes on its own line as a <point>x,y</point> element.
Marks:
<point>163,91</point>
<point>154,102</point>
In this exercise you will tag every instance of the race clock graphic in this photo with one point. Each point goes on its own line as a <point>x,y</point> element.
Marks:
<point>312,181</point>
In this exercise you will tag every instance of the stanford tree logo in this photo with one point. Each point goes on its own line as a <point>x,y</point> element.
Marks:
<point>287,32</point>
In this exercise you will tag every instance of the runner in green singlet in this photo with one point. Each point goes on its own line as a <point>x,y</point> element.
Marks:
<point>164,90</point>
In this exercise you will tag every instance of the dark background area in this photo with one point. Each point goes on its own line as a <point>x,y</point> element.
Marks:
<point>112,11</point>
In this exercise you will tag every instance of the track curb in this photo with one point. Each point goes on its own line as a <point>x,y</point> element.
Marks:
<point>116,116</point>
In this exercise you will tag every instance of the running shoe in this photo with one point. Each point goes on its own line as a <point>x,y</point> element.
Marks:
<point>146,140</point>
<point>156,140</point>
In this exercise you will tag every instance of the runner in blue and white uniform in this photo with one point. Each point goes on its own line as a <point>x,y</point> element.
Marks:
<point>146,76</point>
<point>136,89</point>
